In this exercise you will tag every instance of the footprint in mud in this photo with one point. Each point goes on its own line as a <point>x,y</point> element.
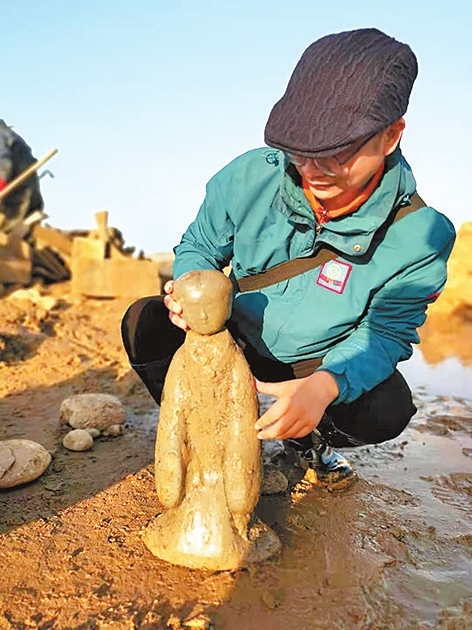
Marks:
<point>454,490</point>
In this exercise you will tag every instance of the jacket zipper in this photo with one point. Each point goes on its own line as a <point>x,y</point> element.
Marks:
<point>324,218</point>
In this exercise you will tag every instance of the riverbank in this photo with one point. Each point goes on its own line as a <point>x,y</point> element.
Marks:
<point>394,552</point>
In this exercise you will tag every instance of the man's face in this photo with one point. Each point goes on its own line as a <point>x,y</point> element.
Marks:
<point>351,178</point>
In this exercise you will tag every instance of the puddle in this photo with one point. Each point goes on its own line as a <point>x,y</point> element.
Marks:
<point>431,464</point>
<point>432,468</point>
<point>406,530</point>
<point>450,377</point>
<point>433,481</point>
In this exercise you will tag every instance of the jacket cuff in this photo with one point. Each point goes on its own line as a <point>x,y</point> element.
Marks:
<point>342,382</point>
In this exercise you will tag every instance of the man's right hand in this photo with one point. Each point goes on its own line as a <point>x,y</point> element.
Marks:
<point>175,310</point>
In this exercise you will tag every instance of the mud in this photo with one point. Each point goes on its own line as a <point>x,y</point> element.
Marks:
<point>393,552</point>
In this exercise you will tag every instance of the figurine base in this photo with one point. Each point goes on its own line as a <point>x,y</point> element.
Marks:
<point>199,550</point>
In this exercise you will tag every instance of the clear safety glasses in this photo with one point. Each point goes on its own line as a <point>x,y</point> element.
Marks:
<point>332,165</point>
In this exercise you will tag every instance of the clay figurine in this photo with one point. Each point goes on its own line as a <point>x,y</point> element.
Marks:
<point>208,465</point>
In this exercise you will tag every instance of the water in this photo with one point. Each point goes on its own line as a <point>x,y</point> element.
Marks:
<point>448,378</point>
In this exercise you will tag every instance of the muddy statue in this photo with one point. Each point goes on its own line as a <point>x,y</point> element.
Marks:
<point>208,464</point>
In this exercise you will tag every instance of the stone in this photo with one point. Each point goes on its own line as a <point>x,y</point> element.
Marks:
<point>92,411</point>
<point>274,481</point>
<point>30,461</point>
<point>95,433</point>
<point>45,302</point>
<point>201,622</point>
<point>208,464</point>
<point>7,458</point>
<point>78,440</point>
<point>114,430</point>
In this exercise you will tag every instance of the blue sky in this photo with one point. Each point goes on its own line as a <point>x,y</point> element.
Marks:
<point>146,100</point>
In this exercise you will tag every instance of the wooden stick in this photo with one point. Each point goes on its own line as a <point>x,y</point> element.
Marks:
<point>25,174</point>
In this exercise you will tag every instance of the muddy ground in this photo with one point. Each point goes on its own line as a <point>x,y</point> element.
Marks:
<point>394,552</point>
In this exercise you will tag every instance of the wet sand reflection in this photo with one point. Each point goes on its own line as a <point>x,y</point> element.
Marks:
<point>442,363</point>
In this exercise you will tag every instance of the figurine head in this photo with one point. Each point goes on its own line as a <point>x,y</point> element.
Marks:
<point>206,300</point>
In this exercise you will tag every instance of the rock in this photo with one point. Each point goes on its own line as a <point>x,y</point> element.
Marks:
<point>30,461</point>
<point>274,481</point>
<point>201,622</point>
<point>46,302</point>
<point>114,430</point>
<point>95,433</point>
<point>78,440</point>
<point>6,458</point>
<point>92,411</point>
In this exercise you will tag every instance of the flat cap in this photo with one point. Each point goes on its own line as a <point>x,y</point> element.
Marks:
<point>346,86</point>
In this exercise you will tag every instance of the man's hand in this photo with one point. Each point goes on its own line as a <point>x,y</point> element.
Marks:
<point>175,310</point>
<point>300,406</point>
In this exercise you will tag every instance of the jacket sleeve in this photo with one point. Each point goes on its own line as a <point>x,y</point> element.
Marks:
<point>389,327</point>
<point>208,241</point>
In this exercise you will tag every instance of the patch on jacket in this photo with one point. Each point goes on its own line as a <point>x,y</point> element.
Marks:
<point>333,275</point>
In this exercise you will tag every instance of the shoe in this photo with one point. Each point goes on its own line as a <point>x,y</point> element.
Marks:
<point>333,471</point>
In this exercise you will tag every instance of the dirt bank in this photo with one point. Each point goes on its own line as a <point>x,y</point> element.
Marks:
<point>394,552</point>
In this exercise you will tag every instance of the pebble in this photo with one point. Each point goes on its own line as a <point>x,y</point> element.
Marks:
<point>95,433</point>
<point>78,440</point>
<point>114,430</point>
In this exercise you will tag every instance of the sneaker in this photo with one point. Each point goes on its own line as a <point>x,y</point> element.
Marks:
<point>333,471</point>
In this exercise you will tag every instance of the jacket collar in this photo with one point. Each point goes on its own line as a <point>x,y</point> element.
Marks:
<point>351,234</point>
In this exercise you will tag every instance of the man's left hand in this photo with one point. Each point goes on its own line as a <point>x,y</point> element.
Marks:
<point>299,407</point>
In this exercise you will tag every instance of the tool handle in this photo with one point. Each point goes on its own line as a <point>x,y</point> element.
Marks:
<point>19,179</point>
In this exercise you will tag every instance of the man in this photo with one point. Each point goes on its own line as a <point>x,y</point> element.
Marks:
<point>333,189</point>
<point>16,157</point>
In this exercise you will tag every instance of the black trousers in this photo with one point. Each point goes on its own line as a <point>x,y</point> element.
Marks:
<point>151,340</point>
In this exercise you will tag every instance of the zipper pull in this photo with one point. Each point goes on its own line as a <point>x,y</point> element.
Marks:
<point>323,217</point>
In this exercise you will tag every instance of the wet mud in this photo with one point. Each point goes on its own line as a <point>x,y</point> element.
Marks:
<point>392,552</point>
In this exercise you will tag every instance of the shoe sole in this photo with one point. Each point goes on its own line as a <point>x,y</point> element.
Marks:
<point>334,486</point>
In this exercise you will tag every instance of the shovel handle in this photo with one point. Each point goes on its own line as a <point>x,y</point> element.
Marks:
<point>25,174</point>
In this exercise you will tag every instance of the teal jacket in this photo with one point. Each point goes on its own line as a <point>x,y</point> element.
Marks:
<point>361,310</point>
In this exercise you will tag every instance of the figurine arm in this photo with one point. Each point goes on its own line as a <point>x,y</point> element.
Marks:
<point>171,459</point>
<point>242,467</point>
